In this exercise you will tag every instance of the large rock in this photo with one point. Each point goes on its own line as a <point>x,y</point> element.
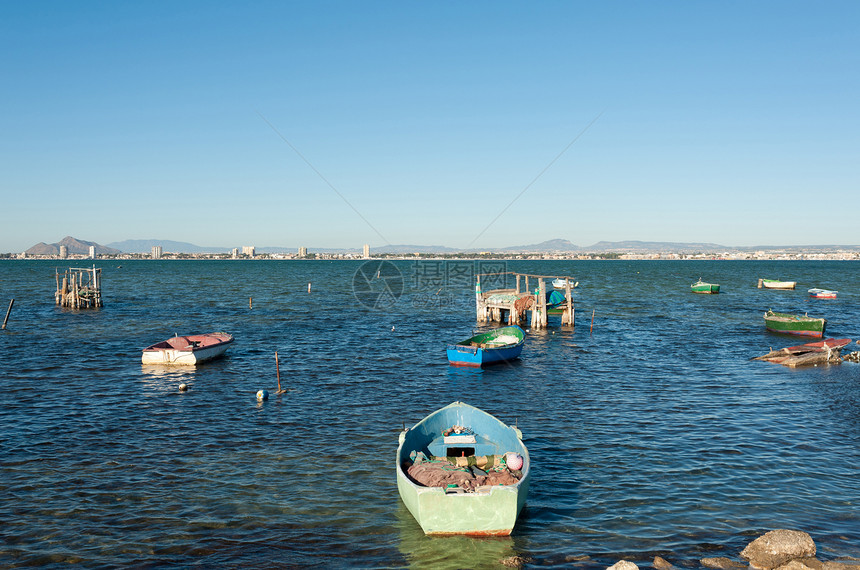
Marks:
<point>777,547</point>
<point>721,563</point>
<point>623,565</point>
<point>801,564</point>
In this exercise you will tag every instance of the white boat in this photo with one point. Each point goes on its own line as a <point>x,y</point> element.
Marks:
<point>560,283</point>
<point>822,293</point>
<point>187,350</point>
<point>777,284</point>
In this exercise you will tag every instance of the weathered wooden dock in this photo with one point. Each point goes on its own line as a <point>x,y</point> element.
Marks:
<point>514,305</point>
<point>80,288</point>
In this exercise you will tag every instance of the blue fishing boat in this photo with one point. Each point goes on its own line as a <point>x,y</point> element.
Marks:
<point>499,345</point>
<point>462,471</point>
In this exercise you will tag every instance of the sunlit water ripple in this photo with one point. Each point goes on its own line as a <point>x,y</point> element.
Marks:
<point>651,434</point>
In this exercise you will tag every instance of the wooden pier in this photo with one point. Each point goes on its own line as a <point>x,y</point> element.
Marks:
<point>513,305</point>
<point>79,288</point>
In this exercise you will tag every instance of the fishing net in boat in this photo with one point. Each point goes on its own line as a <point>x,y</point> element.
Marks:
<point>502,340</point>
<point>443,473</point>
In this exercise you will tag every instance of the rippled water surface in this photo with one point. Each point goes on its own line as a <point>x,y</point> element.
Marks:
<point>650,433</point>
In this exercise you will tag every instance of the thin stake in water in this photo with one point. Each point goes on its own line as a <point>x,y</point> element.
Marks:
<point>9,310</point>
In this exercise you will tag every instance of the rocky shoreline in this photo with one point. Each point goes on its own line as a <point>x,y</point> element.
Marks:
<point>775,550</point>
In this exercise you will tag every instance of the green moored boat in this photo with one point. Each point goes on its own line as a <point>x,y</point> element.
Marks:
<point>794,324</point>
<point>702,287</point>
<point>462,471</point>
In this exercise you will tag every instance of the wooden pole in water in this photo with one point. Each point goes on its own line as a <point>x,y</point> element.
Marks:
<point>9,310</point>
<point>278,371</point>
<point>568,294</point>
<point>591,330</point>
<point>251,304</point>
<point>309,287</point>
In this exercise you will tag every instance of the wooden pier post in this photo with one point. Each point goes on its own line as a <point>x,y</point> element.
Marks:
<point>9,310</point>
<point>81,288</point>
<point>569,295</point>
<point>542,302</point>
<point>480,310</point>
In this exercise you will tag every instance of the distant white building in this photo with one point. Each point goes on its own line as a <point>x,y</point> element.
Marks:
<point>366,253</point>
<point>234,253</point>
<point>303,252</point>
<point>156,252</point>
<point>64,251</point>
<point>248,250</point>
<point>92,252</point>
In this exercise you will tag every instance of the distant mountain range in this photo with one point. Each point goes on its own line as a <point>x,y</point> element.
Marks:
<point>146,245</point>
<point>76,246</point>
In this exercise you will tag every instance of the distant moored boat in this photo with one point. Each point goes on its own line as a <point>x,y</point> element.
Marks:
<point>776,284</point>
<point>187,350</point>
<point>794,324</point>
<point>822,294</point>
<point>702,287</point>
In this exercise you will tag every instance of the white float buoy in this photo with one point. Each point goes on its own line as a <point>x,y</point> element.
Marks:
<point>183,387</point>
<point>262,395</point>
<point>514,460</point>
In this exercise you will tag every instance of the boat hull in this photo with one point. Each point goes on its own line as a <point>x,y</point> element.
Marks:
<point>706,288</point>
<point>774,284</point>
<point>794,325</point>
<point>187,350</point>
<point>489,511</point>
<point>476,352</point>
<point>822,294</point>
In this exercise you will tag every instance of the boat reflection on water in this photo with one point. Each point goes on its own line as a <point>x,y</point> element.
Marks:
<point>448,552</point>
<point>158,378</point>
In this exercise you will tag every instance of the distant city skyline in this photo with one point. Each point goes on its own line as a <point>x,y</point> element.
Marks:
<point>479,125</point>
<point>155,248</point>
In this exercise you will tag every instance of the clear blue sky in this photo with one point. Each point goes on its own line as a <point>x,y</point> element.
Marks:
<point>728,122</point>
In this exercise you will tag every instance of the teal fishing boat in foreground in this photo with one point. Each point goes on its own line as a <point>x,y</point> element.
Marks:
<point>702,287</point>
<point>500,345</point>
<point>794,324</point>
<point>462,471</point>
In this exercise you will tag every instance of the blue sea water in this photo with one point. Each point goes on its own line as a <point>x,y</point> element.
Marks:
<point>650,429</point>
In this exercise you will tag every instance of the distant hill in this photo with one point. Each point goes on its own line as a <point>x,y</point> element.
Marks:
<point>75,246</point>
<point>406,249</point>
<point>168,246</point>
<point>559,245</point>
<point>633,246</point>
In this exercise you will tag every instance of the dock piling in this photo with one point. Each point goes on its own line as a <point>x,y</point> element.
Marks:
<point>9,310</point>
<point>80,289</point>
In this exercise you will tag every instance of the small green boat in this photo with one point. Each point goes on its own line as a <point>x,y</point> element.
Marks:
<point>794,324</point>
<point>702,287</point>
